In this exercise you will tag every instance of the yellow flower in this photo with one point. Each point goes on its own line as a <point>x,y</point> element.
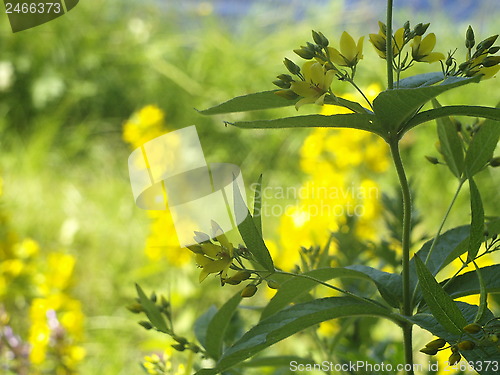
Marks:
<point>421,50</point>
<point>350,53</point>
<point>315,86</point>
<point>379,41</point>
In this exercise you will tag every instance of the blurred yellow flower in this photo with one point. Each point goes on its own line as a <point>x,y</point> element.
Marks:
<point>350,53</point>
<point>143,126</point>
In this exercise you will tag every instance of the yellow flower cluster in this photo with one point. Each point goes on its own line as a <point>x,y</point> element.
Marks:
<point>340,165</point>
<point>162,365</point>
<point>143,126</point>
<point>38,282</point>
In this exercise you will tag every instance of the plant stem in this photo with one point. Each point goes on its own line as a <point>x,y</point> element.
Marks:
<point>388,47</point>
<point>407,308</point>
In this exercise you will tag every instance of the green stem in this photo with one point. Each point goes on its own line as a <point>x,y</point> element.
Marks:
<point>388,47</point>
<point>362,93</point>
<point>406,308</point>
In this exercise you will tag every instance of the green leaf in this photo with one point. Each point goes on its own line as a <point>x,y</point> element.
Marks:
<point>268,100</point>
<point>483,296</point>
<point>480,354</point>
<point>395,107</point>
<point>477,222</point>
<point>388,284</point>
<point>277,361</point>
<point>419,80</point>
<point>201,325</point>
<point>257,205</point>
<point>360,121</point>
<point>290,321</point>
<point>469,284</point>
<point>451,143</point>
<point>294,288</point>
<point>452,110</point>
<point>152,311</point>
<point>218,325</point>
<point>250,234</point>
<point>482,146</point>
<point>440,303</point>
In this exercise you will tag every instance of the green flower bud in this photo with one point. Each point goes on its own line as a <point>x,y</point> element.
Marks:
<point>305,53</point>
<point>135,308</point>
<point>249,291</point>
<point>466,345</point>
<point>473,328</point>
<point>273,284</point>
<point>469,37</point>
<point>320,39</point>
<point>432,159</point>
<point>494,50</point>
<point>495,162</point>
<point>180,340</point>
<point>491,61</point>
<point>285,78</point>
<point>420,29</point>
<point>241,276</point>
<point>287,94</point>
<point>178,347</point>
<point>282,84</point>
<point>153,297</point>
<point>454,358</point>
<point>485,45</point>
<point>429,351</point>
<point>449,60</point>
<point>291,66</point>
<point>195,348</point>
<point>493,337</point>
<point>146,324</point>
<point>436,344</point>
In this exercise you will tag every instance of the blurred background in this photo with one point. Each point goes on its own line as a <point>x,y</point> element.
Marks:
<point>79,93</point>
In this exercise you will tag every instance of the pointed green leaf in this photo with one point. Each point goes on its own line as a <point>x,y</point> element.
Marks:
<point>296,287</point>
<point>388,284</point>
<point>218,325</point>
<point>257,206</point>
<point>277,361</point>
<point>451,143</point>
<point>152,311</point>
<point>477,222</point>
<point>250,234</point>
<point>419,80</point>
<point>453,110</point>
<point>482,146</point>
<point>268,100</point>
<point>352,120</point>
<point>439,302</point>
<point>483,296</point>
<point>201,325</point>
<point>469,283</point>
<point>290,321</point>
<point>395,107</point>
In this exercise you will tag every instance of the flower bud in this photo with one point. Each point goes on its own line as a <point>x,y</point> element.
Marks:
<point>285,78</point>
<point>153,297</point>
<point>241,276</point>
<point>420,29</point>
<point>432,159</point>
<point>469,37</point>
<point>146,324</point>
<point>436,344</point>
<point>382,27</point>
<point>249,291</point>
<point>178,347</point>
<point>491,61</point>
<point>495,162</point>
<point>320,39</point>
<point>287,94</point>
<point>291,66</point>
<point>485,45</point>
<point>305,53</point>
<point>429,351</point>
<point>473,328</point>
<point>273,284</point>
<point>180,340</point>
<point>135,308</point>
<point>454,358</point>
<point>466,345</point>
<point>494,50</point>
<point>282,84</point>
<point>449,60</point>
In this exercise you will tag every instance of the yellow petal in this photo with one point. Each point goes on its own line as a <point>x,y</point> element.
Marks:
<point>317,74</point>
<point>489,72</point>
<point>303,101</point>
<point>336,57</point>
<point>348,46</point>
<point>427,44</point>
<point>398,41</point>
<point>303,89</point>
<point>360,48</point>
<point>433,57</point>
